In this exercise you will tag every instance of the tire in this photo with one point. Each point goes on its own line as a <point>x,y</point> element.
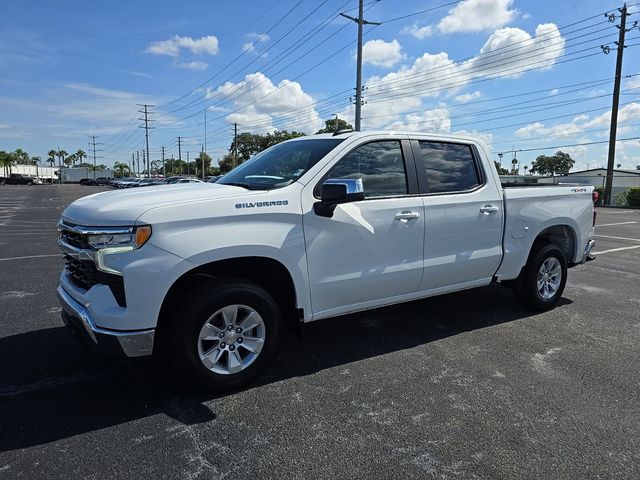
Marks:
<point>213,304</point>
<point>545,263</point>
<point>29,183</point>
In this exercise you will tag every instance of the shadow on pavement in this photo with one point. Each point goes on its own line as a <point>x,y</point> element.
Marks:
<point>51,387</point>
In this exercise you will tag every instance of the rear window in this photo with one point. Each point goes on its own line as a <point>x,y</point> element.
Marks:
<point>449,167</point>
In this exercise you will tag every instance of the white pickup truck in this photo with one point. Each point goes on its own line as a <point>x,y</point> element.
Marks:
<point>316,227</point>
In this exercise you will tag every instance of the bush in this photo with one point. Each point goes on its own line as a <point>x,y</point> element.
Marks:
<point>621,199</point>
<point>633,197</point>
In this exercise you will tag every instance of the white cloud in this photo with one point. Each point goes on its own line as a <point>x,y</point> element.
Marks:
<point>257,102</point>
<point>419,32</point>
<point>254,40</point>
<point>195,65</point>
<point>627,113</point>
<point>520,50</point>
<point>382,54</point>
<point>554,92</point>
<point>205,45</point>
<point>467,97</point>
<point>435,120</point>
<point>581,123</point>
<point>477,16</point>
<point>436,75</point>
<point>633,82</point>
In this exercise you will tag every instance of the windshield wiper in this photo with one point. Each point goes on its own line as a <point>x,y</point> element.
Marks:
<point>248,186</point>
<point>238,184</point>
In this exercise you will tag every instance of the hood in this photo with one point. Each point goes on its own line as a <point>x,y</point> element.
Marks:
<point>123,207</point>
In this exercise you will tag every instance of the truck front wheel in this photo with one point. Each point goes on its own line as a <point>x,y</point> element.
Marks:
<point>226,336</point>
<point>543,279</point>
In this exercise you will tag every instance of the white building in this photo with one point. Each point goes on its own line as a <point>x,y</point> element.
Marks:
<point>622,179</point>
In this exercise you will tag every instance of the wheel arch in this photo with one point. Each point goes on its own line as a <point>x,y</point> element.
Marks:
<point>269,273</point>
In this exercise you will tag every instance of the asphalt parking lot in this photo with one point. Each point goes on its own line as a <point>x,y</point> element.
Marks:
<point>467,385</point>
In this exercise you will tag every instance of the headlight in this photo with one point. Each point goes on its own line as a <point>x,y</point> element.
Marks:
<point>108,244</point>
<point>136,238</point>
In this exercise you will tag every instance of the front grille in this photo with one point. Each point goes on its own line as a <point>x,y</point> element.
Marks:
<point>84,274</point>
<point>74,239</point>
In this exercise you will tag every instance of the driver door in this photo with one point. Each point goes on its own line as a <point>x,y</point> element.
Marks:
<point>371,250</point>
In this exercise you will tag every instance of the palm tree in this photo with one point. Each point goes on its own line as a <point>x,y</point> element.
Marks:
<point>21,156</point>
<point>61,154</point>
<point>52,157</point>
<point>6,160</point>
<point>80,155</point>
<point>525,169</point>
<point>120,169</point>
<point>70,160</point>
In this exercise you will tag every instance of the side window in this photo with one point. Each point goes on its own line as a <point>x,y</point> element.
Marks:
<point>380,165</point>
<point>450,167</point>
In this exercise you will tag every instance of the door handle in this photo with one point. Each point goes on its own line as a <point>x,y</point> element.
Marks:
<point>489,209</point>
<point>406,216</point>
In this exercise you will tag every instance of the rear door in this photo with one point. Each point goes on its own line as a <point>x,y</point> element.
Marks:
<point>463,215</point>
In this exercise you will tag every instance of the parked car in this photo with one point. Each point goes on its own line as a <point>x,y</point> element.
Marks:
<point>20,179</point>
<point>87,181</point>
<point>313,227</point>
<point>103,180</point>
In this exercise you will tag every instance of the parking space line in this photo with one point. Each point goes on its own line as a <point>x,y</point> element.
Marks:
<point>619,238</point>
<point>616,249</point>
<point>31,256</point>
<point>612,224</point>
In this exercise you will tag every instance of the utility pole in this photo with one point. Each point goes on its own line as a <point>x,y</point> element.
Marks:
<point>144,162</point>
<point>360,21</point>
<point>132,165</point>
<point>146,127</point>
<point>188,166</point>
<point>179,149</point>
<point>138,162</point>
<point>173,162</point>
<point>164,169</point>
<point>205,131</point>
<point>202,158</point>
<point>616,98</point>
<point>92,145</point>
<point>235,144</point>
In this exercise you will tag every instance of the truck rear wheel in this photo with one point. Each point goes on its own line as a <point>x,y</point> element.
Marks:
<point>227,336</point>
<point>543,278</point>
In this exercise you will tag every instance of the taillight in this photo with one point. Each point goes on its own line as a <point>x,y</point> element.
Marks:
<point>596,197</point>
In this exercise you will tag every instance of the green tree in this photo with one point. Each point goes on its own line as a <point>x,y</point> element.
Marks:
<point>21,157</point>
<point>560,163</point>
<point>207,162</point>
<point>61,154</point>
<point>226,164</point>
<point>70,160</point>
<point>501,171</point>
<point>121,169</point>
<point>330,125</point>
<point>79,156</point>
<point>633,197</point>
<point>6,160</point>
<point>249,144</point>
<point>51,157</point>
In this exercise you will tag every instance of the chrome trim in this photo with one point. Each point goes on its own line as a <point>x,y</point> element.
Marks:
<point>133,344</point>
<point>95,230</point>
<point>79,253</point>
<point>589,247</point>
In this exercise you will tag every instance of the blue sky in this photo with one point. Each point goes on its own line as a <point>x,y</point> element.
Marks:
<point>508,70</point>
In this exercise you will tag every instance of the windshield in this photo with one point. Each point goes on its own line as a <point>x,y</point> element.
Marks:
<point>280,165</point>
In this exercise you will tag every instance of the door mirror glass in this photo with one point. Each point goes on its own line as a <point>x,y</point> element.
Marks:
<point>336,191</point>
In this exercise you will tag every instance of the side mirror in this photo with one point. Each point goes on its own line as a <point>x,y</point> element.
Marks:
<point>336,191</point>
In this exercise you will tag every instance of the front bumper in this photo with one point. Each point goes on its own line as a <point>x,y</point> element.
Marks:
<point>137,343</point>
<point>586,256</point>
